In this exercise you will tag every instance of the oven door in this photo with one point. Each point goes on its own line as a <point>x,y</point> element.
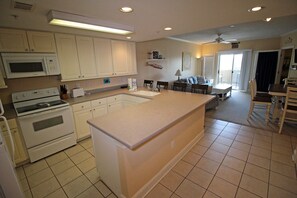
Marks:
<point>45,126</point>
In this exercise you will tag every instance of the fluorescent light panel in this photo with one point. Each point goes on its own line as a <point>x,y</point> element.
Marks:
<point>82,22</point>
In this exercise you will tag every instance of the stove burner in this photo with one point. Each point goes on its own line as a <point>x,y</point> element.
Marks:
<point>41,105</point>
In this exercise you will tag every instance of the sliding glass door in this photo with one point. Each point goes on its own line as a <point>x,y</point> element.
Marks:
<point>229,69</point>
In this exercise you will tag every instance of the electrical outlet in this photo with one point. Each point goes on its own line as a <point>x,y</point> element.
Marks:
<point>106,80</point>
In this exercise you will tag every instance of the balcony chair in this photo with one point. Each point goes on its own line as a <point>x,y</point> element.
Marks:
<point>179,86</point>
<point>290,81</point>
<point>289,111</point>
<point>258,100</point>
<point>197,88</point>
<point>147,83</point>
<point>162,84</point>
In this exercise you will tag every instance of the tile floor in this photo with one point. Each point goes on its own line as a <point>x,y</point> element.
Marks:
<point>231,160</point>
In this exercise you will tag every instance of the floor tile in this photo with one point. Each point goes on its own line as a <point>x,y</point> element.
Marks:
<point>57,194</point>
<point>205,143</point>
<point>172,180</point>
<point>221,122</point>
<point>200,177</point>
<point>111,196</point>
<point>241,146</point>
<point>284,159</point>
<point>224,141</point>
<point>35,167</point>
<point>159,191</point>
<point>87,143</point>
<point>77,186</point>
<point>259,161</point>
<point>221,148</point>
<point>80,157</point>
<point>24,184</point>
<point>93,176</point>
<point>87,165</point>
<point>234,163</point>
<point>74,150</point>
<point>257,172</point>
<point>102,188</point>
<point>189,190</point>
<point>69,175</point>
<point>228,135</point>
<point>182,168</point>
<point>28,194</point>
<point>260,152</point>
<point>244,139</point>
<point>214,155</point>
<point>217,126</point>
<point>56,158</point>
<point>264,133</point>
<point>45,188</point>
<point>231,129</point>
<point>254,185</point>
<point>233,125</point>
<point>213,131</point>
<point>62,166</point>
<point>281,149</point>
<point>242,155</point>
<point>199,149</point>
<point>209,194</point>
<point>192,158</point>
<point>208,165</point>
<point>247,128</point>
<point>283,182</point>
<point>264,138</point>
<point>20,173</point>
<point>40,177</point>
<point>283,169</point>
<point>222,188</point>
<point>229,175</point>
<point>91,192</point>
<point>210,136</point>
<point>241,193</point>
<point>247,134</point>
<point>91,151</point>
<point>275,192</point>
<point>261,144</point>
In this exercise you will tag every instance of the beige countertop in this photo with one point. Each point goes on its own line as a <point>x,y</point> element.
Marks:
<point>138,124</point>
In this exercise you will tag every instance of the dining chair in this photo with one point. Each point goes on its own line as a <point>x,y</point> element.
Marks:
<point>261,94</point>
<point>148,83</point>
<point>289,111</point>
<point>162,84</point>
<point>197,88</point>
<point>290,81</point>
<point>179,86</point>
<point>259,100</point>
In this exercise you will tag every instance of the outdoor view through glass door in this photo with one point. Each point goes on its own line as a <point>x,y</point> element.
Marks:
<point>229,69</point>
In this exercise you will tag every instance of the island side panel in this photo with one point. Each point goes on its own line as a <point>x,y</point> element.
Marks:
<point>142,168</point>
<point>132,173</point>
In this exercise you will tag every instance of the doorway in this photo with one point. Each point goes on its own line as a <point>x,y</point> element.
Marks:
<point>284,66</point>
<point>266,69</point>
<point>230,69</point>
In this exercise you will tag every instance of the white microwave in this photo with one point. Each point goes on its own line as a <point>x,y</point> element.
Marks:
<point>21,65</point>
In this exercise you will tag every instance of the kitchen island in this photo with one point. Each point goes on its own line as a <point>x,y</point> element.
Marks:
<point>136,146</point>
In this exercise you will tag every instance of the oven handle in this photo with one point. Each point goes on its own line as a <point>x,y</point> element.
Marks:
<point>44,112</point>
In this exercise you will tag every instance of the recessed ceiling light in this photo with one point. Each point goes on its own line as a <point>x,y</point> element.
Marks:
<point>126,9</point>
<point>128,37</point>
<point>232,26</point>
<point>168,28</point>
<point>256,9</point>
<point>267,19</point>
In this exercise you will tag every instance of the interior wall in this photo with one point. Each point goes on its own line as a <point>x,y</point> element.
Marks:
<point>171,50</point>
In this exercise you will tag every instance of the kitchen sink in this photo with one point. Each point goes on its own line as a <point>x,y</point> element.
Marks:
<point>146,93</point>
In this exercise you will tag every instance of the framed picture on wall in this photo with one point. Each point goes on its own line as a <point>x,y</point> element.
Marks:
<point>186,61</point>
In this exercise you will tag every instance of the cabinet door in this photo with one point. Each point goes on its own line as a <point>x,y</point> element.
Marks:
<point>103,57</point>
<point>68,58</point>
<point>86,56</point>
<point>119,57</point>
<point>82,127</point>
<point>2,82</point>
<point>132,66</point>
<point>115,106</point>
<point>13,41</point>
<point>99,111</point>
<point>41,41</point>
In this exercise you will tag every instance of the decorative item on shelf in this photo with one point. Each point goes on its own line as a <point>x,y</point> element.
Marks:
<point>154,55</point>
<point>178,74</point>
<point>155,65</point>
<point>64,90</point>
<point>186,60</point>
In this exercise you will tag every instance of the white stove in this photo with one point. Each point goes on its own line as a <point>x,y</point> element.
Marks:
<point>46,121</point>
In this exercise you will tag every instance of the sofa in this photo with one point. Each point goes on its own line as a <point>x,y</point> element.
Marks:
<point>202,80</point>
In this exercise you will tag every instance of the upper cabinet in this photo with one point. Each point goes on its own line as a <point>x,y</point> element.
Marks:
<point>103,57</point>
<point>12,40</point>
<point>119,57</point>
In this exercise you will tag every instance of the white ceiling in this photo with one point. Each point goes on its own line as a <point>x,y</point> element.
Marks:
<point>203,17</point>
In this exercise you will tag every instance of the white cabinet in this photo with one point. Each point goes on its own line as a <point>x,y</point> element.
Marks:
<point>2,82</point>
<point>119,57</point>
<point>68,58</point>
<point>103,57</point>
<point>86,56</point>
<point>114,103</point>
<point>12,40</point>
<point>20,154</point>
<point>132,66</point>
<point>99,107</point>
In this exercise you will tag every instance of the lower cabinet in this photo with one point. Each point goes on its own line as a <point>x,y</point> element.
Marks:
<point>87,110</point>
<point>20,151</point>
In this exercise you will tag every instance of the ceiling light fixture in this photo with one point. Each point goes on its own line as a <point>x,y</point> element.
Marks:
<point>256,9</point>
<point>82,22</point>
<point>267,19</point>
<point>168,28</point>
<point>128,37</point>
<point>126,9</point>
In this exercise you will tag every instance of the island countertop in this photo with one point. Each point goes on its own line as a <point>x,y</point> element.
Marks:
<point>138,124</point>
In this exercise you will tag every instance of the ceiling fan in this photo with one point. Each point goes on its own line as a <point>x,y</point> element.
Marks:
<point>219,39</point>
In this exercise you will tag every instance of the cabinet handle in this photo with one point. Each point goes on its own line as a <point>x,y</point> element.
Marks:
<point>82,106</point>
<point>90,110</point>
<point>32,50</point>
<point>94,109</point>
<point>83,76</point>
<point>99,102</point>
<point>26,50</point>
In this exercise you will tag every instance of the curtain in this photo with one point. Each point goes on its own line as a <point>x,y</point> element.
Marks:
<point>245,70</point>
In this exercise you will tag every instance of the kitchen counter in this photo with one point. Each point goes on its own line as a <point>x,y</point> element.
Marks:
<point>136,125</point>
